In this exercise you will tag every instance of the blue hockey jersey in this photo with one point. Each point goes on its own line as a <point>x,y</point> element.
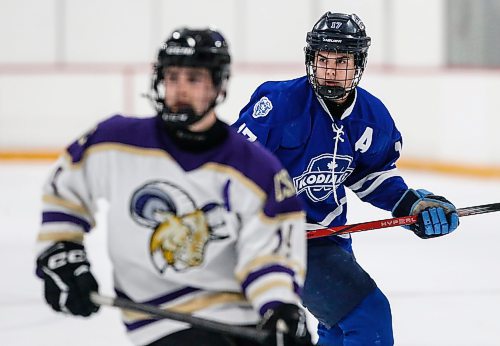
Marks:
<point>323,154</point>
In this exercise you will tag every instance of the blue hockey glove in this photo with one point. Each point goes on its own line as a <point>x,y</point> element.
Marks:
<point>436,215</point>
<point>68,281</point>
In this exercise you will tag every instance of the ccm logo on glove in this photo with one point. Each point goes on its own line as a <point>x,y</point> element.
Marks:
<point>67,278</point>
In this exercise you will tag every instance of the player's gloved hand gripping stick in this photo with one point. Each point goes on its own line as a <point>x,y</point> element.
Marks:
<point>396,221</point>
<point>436,216</point>
<point>287,326</point>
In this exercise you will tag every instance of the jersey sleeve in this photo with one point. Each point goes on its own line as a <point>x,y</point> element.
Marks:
<point>259,119</point>
<point>69,196</point>
<point>376,179</point>
<point>271,248</point>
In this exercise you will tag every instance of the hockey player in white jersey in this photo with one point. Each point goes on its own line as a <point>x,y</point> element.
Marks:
<point>201,221</point>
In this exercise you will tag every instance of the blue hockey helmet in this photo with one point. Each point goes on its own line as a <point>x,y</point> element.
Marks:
<point>339,33</point>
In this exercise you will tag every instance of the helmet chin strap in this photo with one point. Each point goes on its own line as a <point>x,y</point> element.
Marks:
<point>331,92</point>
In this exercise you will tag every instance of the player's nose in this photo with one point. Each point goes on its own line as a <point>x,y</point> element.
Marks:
<point>331,71</point>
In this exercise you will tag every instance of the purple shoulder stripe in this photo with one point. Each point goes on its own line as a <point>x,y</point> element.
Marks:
<point>140,132</point>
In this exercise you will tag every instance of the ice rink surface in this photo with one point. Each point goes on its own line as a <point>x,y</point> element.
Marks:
<point>443,291</point>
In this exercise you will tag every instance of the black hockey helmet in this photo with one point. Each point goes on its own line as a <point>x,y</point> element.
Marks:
<point>340,33</point>
<point>191,48</point>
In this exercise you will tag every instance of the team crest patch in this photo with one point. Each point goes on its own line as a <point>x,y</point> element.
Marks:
<point>181,231</point>
<point>262,108</point>
<point>317,180</point>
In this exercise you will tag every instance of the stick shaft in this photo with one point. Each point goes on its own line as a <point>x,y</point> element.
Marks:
<point>201,323</point>
<point>396,221</point>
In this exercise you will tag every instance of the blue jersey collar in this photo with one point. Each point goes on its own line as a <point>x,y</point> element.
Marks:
<point>346,113</point>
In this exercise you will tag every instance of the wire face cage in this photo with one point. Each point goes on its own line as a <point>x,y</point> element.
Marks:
<point>334,73</point>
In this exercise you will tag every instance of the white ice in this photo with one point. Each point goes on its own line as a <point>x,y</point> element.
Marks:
<point>443,291</point>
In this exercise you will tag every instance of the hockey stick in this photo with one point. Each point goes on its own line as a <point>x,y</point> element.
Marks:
<point>201,323</point>
<point>396,221</point>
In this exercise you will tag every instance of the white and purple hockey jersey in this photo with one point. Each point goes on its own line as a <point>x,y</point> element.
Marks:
<point>217,234</point>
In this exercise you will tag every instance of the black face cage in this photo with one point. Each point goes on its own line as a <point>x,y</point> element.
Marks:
<point>334,92</point>
<point>157,91</point>
<point>220,77</point>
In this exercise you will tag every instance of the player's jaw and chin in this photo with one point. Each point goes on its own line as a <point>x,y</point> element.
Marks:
<point>189,88</point>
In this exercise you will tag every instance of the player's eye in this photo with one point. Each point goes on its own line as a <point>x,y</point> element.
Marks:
<point>194,78</point>
<point>172,76</point>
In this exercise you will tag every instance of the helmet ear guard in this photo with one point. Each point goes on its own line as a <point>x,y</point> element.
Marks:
<point>338,33</point>
<point>186,47</point>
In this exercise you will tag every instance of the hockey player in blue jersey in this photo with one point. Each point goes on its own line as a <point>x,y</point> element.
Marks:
<point>200,220</point>
<point>330,134</point>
